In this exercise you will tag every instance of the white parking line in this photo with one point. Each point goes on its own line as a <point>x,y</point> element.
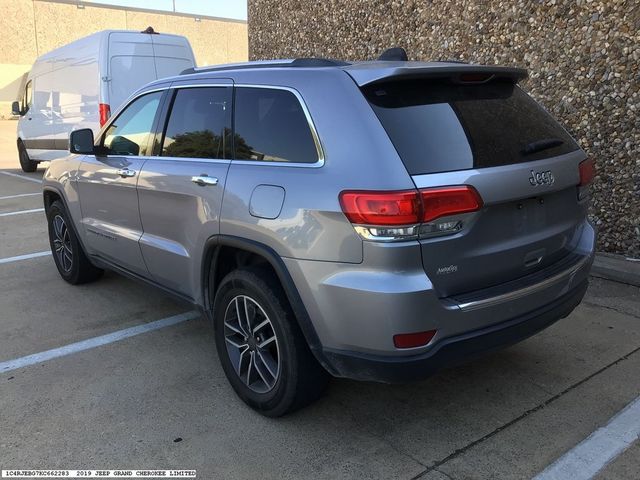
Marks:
<point>23,177</point>
<point>24,257</point>
<point>590,456</point>
<point>20,212</point>
<point>95,342</point>
<point>21,195</point>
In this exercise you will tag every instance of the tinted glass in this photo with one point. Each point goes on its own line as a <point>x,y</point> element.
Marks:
<point>129,133</point>
<point>439,127</point>
<point>199,124</point>
<point>271,126</point>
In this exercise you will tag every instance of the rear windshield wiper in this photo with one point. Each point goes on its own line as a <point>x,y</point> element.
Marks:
<point>540,145</point>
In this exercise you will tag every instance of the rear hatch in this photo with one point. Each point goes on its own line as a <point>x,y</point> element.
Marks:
<point>482,130</point>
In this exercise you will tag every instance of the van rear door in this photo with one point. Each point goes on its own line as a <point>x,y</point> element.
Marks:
<point>172,55</point>
<point>131,65</point>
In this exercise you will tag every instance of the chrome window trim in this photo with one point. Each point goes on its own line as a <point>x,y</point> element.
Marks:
<point>314,133</point>
<point>225,161</point>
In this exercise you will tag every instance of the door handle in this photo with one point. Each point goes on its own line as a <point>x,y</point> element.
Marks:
<point>204,180</point>
<point>126,172</point>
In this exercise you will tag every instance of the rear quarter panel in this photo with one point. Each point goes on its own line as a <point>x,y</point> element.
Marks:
<point>357,155</point>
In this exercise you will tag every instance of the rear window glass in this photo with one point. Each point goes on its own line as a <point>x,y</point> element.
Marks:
<point>271,126</point>
<point>440,127</point>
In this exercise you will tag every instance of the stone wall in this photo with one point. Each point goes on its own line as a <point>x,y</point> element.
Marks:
<point>29,28</point>
<point>582,56</point>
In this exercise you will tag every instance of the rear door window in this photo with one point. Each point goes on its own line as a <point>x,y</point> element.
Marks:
<point>199,124</point>
<point>440,127</point>
<point>271,126</point>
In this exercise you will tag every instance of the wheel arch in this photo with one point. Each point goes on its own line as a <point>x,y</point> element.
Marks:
<point>49,195</point>
<point>213,269</point>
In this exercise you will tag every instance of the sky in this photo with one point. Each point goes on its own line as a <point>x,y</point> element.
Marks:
<point>236,9</point>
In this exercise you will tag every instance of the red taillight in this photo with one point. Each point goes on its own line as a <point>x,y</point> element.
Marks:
<point>382,208</point>
<point>105,113</point>
<point>412,340</point>
<point>408,207</point>
<point>439,202</point>
<point>587,172</point>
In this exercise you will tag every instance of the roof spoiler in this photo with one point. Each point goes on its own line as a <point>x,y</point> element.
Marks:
<point>458,73</point>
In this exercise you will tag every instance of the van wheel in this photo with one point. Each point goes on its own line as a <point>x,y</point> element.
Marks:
<point>26,163</point>
<point>71,261</point>
<point>262,350</point>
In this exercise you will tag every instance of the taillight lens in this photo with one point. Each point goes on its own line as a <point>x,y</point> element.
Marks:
<point>408,214</point>
<point>382,208</point>
<point>440,202</point>
<point>408,207</point>
<point>105,113</point>
<point>587,172</point>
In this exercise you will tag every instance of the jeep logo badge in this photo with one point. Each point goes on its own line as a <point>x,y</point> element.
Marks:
<point>541,178</point>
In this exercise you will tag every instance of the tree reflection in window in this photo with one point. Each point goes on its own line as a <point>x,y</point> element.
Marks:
<point>200,124</point>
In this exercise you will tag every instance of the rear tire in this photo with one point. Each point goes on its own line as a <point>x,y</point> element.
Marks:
<point>262,350</point>
<point>71,261</point>
<point>26,163</point>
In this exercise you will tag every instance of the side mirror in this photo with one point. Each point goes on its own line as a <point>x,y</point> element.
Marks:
<point>81,141</point>
<point>15,108</point>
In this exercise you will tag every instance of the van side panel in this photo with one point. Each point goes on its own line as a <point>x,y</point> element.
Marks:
<point>75,99</point>
<point>66,94</point>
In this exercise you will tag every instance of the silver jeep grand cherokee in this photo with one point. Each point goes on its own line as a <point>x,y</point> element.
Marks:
<point>375,220</point>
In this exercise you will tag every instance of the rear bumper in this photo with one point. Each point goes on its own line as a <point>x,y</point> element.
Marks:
<point>452,350</point>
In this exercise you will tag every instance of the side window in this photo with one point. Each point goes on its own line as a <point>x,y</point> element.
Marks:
<point>129,133</point>
<point>199,124</point>
<point>27,100</point>
<point>270,126</point>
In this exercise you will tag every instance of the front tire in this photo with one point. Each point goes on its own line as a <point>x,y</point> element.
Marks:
<point>26,163</point>
<point>262,350</point>
<point>71,261</point>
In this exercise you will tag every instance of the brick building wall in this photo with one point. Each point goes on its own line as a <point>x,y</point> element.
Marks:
<point>582,55</point>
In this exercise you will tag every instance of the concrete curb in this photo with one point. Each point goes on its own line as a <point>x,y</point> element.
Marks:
<point>617,268</point>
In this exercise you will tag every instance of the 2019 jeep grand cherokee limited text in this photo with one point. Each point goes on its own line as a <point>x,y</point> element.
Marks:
<point>373,220</point>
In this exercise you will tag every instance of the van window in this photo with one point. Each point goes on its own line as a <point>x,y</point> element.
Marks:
<point>199,124</point>
<point>270,126</point>
<point>27,100</point>
<point>437,126</point>
<point>129,133</point>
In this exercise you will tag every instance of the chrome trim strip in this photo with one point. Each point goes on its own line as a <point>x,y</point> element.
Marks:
<point>506,297</point>
<point>312,127</point>
<point>193,159</point>
<point>314,133</point>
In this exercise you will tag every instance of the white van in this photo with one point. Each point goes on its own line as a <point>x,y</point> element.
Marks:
<point>80,84</point>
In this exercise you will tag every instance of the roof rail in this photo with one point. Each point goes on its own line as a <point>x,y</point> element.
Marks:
<point>296,62</point>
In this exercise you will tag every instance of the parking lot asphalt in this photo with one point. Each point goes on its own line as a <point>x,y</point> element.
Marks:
<point>160,399</point>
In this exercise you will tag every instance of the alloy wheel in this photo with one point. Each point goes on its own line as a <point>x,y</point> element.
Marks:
<point>252,344</point>
<point>62,243</point>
